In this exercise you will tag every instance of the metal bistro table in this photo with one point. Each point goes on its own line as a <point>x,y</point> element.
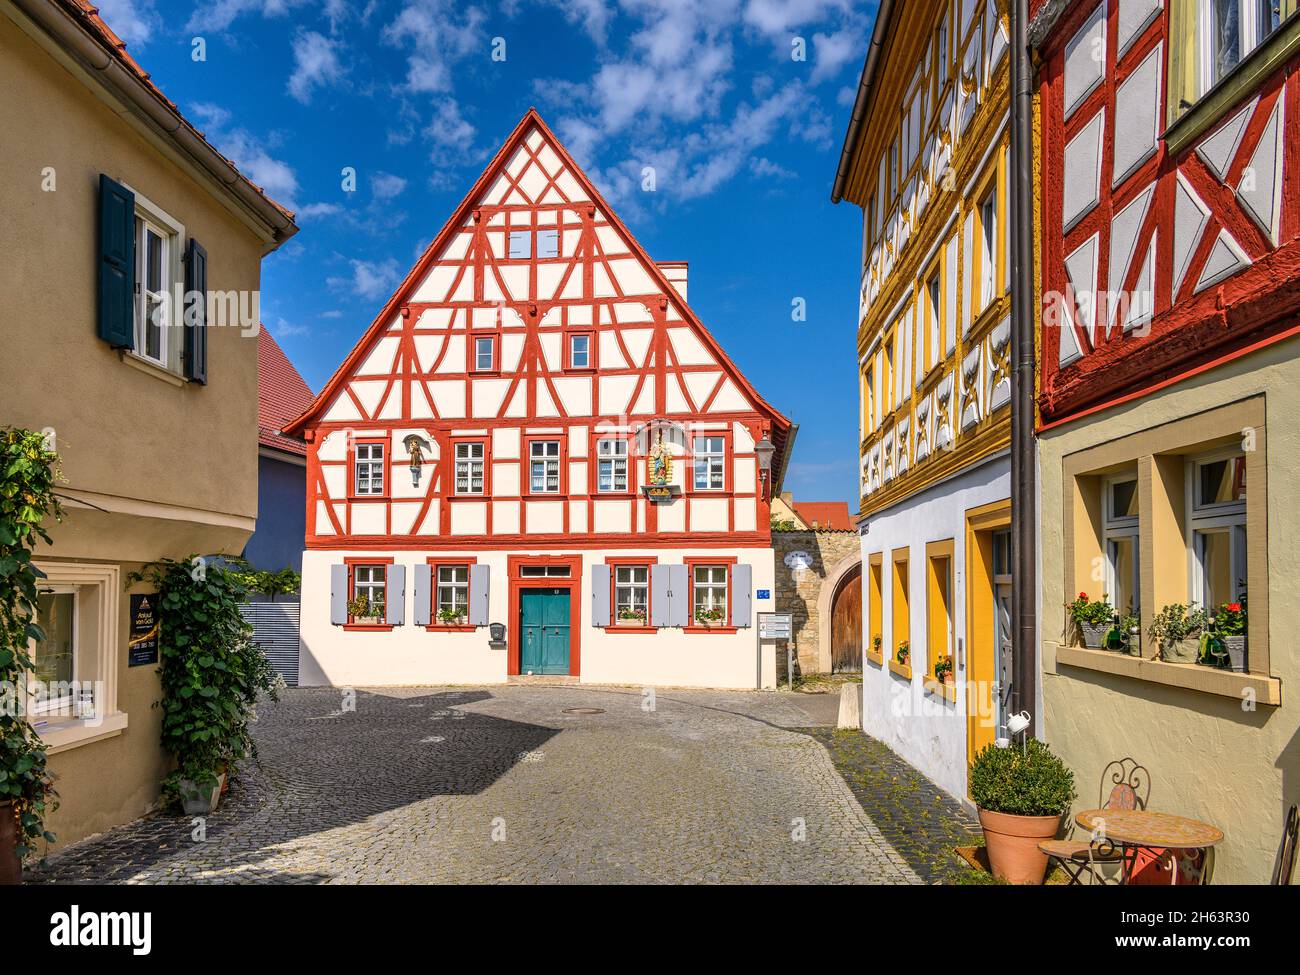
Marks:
<point>1137,829</point>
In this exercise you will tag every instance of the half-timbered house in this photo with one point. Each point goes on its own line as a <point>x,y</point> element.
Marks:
<point>537,460</point>
<point>1169,228</point>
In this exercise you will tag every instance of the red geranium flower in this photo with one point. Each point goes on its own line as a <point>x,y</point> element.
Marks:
<point>1234,607</point>
<point>1083,595</point>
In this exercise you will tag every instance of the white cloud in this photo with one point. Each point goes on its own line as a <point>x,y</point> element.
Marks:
<point>248,153</point>
<point>832,51</point>
<point>436,39</point>
<point>764,168</point>
<point>315,63</point>
<point>385,186</point>
<point>313,210</point>
<point>369,279</point>
<point>283,329</point>
<point>132,20</point>
<point>778,18</point>
<point>218,15</point>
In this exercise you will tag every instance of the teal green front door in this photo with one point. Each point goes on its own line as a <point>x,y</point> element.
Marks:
<point>544,625</point>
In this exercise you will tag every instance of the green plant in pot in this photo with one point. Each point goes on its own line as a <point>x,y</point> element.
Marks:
<point>1227,629</point>
<point>1124,634</point>
<point>28,471</point>
<point>1176,630</point>
<point>1092,617</point>
<point>211,673</point>
<point>876,641</point>
<point>451,615</point>
<point>943,670</point>
<point>1021,793</point>
<point>904,653</point>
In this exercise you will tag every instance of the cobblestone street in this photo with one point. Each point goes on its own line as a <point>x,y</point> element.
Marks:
<point>509,785</point>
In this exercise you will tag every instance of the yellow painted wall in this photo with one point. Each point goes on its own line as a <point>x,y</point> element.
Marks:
<point>1209,757</point>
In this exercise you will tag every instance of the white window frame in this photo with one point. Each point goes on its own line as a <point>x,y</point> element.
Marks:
<point>638,593</point>
<point>1117,528</point>
<point>612,455</point>
<point>371,586</point>
<point>1225,517</point>
<point>149,214</point>
<point>586,352</point>
<point>715,462</point>
<point>491,352</point>
<point>457,589</point>
<point>989,248</point>
<point>369,463</point>
<point>547,463</point>
<point>1250,37</point>
<point>717,592</point>
<point>468,466</point>
<point>99,595</point>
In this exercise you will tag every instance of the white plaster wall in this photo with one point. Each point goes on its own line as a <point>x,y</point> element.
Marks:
<point>411,655</point>
<point>925,729</point>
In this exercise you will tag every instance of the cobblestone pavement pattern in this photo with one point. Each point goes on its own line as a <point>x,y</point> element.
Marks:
<point>427,785</point>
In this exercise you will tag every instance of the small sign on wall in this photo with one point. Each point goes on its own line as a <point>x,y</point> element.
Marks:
<point>764,594</point>
<point>142,646</point>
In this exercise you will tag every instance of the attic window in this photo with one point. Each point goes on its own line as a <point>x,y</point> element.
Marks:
<point>521,245</point>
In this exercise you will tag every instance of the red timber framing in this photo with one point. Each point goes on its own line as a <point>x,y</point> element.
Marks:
<point>572,582</point>
<point>1186,207</point>
<point>414,371</point>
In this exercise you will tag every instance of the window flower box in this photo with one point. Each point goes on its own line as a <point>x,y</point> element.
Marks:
<point>630,617</point>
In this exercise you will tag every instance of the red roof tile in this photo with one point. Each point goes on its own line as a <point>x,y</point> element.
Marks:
<point>825,515</point>
<point>281,395</point>
<point>88,14</point>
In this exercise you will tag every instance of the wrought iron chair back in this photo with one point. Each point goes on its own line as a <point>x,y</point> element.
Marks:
<point>1286,854</point>
<point>1130,785</point>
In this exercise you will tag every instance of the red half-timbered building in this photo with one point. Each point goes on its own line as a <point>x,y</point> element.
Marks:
<point>1169,225</point>
<point>538,432</point>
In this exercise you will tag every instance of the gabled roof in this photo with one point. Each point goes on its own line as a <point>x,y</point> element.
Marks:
<point>825,515</point>
<point>80,31</point>
<point>281,395</point>
<point>781,426</point>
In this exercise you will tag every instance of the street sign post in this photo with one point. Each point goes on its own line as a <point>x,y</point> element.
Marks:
<point>775,626</point>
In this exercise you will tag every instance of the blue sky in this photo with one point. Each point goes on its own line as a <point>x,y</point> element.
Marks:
<point>416,96</point>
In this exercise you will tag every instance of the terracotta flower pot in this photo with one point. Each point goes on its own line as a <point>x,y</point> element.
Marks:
<point>11,868</point>
<point>1012,843</point>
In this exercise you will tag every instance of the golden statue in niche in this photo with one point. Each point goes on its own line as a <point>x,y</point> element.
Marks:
<point>659,463</point>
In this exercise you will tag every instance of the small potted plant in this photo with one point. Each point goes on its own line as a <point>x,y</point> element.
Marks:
<point>1021,794</point>
<point>631,616</point>
<point>903,654</point>
<point>1093,618</point>
<point>361,608</point>
<point>1176,630</point>
<point>1223,641</point>
<point>451,615</point>
<point>943,670</point>
<point>710,617</point>
<point>875,644</point>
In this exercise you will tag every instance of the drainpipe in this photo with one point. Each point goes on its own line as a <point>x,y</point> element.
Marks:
<point>1024,475</point>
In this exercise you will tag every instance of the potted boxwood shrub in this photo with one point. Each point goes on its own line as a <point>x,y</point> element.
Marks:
<point>1176,630</point>
<point>28,471</point>
<point>1093,618</point>
<point>1021,796</point>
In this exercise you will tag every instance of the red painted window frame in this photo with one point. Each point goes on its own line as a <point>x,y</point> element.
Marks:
<point>593,478</point>
<point>569,335</point>
<point>368,561</point>
<point>614,561</point>
<point>728,464</point>
<point>434,562</point>
<point>352,469</point>
<point>526,473</point>
<point>486,441</point>
<point>691,561</point>
<point>471,358</point>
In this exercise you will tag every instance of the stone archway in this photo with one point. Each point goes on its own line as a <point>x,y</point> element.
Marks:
<point>834,582</point>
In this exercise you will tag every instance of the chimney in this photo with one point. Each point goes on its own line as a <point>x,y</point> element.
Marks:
<point>675,272</point>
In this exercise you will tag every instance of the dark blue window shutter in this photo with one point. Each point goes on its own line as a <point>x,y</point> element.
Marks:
<point>196,313</point>
<point>116,264</point>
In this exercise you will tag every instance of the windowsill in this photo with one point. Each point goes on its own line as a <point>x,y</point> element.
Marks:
<point>372,627</point>
<point>62,734</point>
<point>1245,78</point>
<point>700,628</point>
<point>450,628</point>
<point>466,497</point>
<point>876,658</point>
<point>946,691</point>
<point>1227,683</point>
<point>369,497</point>
<point>902,670</point>
<point>628,628</point>
<point>151,368</point>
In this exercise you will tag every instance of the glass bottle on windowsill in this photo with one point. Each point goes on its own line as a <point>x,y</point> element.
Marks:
<point>1116,638</point>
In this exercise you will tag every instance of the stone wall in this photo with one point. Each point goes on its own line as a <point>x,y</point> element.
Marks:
<point>797,593</point>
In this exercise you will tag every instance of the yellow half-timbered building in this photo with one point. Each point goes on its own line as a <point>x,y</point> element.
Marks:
<point>926,158</point>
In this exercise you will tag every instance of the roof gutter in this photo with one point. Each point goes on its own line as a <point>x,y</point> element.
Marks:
<point>862,104</point>
<point>779,481</point>
<point>69,34</point>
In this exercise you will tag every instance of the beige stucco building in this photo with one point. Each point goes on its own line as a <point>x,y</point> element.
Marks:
<point>155,422</point>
